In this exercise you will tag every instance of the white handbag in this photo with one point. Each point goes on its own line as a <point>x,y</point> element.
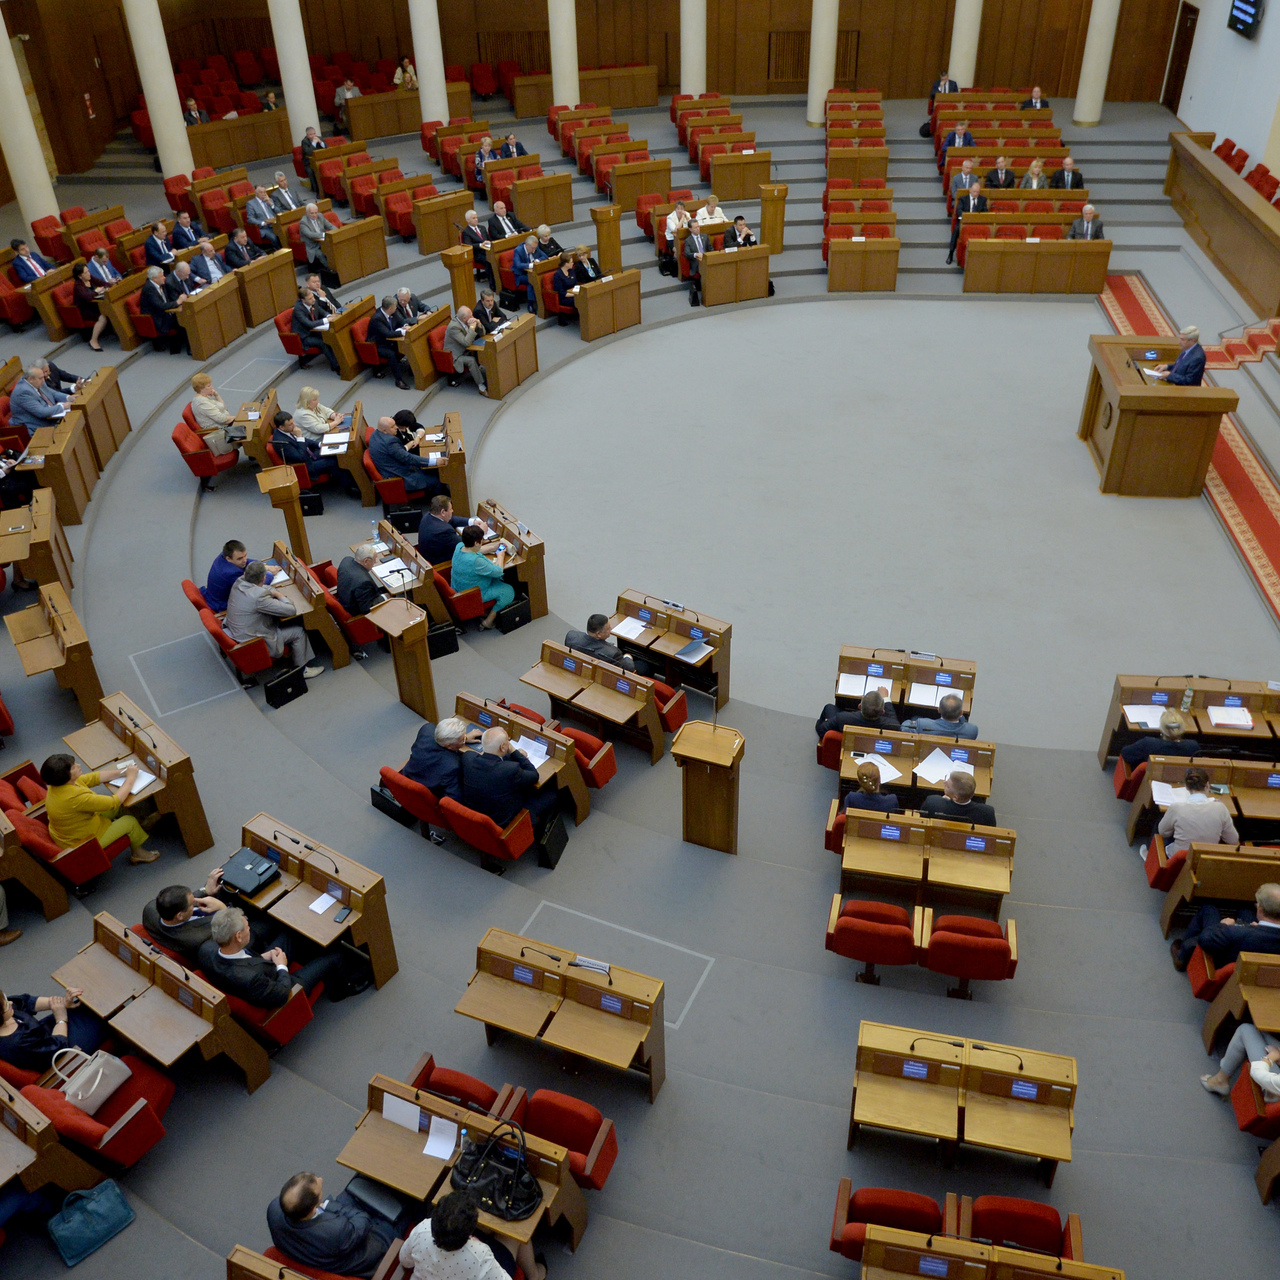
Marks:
<point>91,1080</point>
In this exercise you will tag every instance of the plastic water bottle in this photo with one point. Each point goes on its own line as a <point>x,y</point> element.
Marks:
<point>1187,695</point>
<point>373,530</point>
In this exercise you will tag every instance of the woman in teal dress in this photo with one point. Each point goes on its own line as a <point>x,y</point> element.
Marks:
<point>472,569</point>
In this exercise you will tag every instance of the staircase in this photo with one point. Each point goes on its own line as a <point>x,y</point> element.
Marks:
<point>125,162</point>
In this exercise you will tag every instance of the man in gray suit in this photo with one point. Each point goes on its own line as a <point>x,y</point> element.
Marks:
<point>1087,227</point>
<point>695,245</point>
<point>261,213</point>
<point>254,609</point>
<point>313,228</point>
<point>32,404</point>
<point>461,332</point>
<point>595,643</point>
<point>282,197</point>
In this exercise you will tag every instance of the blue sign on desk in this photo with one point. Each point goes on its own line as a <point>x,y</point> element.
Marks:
<point>696,633</point>
<point>1159,698</point>
<point>485,718</point>
<point>961,754</point>
<point>884,747</point>
<point>888,832</point>
<point>610,1004</point>
<point>875,668</point>
<point>1273,779</point>
<point>1232,700</point>
<point>915,1070</point>
<point>931,1266</point>
<point>1028,1090</point>
<point>623,686</point>
<point>943,677</point>
<point>522,974</point>
<point>570,664</point>
<point>645,615</point>
<point>977,843</point>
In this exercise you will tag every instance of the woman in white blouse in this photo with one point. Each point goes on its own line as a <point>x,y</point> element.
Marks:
<point>314,418</point>
<point>445,1247</point>
<point>711,212</point>
<point>405,76</point>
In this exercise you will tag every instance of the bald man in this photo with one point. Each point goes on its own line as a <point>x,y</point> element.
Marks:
<point>393,459</point>
<point>501,781</point>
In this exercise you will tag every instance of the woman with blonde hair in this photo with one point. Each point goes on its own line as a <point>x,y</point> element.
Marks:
<point>314,418</point>
<point>1035,179</point>
<point>1171,742</point>
<point>586,268</point>
<point>548,245</point>
<point>213,418</point>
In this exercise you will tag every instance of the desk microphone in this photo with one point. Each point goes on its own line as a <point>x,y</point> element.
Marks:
<point>1008,1053</point>
<point>138,727</point>
<point>540,952</point>
<point>322,853</point>
<point>285,835</point>
<point>578,964</point>
<point>955,1044</point>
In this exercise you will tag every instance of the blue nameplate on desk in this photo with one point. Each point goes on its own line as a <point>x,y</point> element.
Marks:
<point>875,668</point>
<point>1273,779</point>
<point>1025,1089</point>
<point>976,843</point>
<point>623,687</point>
<point>1231,700</point>
<point>930,1266</point>
<point>890,833</point>
<point>333,889</point>
<point>915,1070</point>
<point>943,677</point>
<point>522,974</point>
<point>485,718</point>
<point>1159,699</point>
<point>570,664</point>
<point>697,633</point>
<point>645,615</point>
<point>884,748</point>
<point>271,855</point>
<point>961,754</point>
<point>610,1004</point>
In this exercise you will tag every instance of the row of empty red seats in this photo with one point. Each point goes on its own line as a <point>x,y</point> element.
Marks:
<point>1260,178</point>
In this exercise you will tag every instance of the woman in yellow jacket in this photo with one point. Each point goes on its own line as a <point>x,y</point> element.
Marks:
<point>77,813</point>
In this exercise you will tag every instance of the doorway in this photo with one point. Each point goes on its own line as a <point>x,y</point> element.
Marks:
<point>1184,33</point>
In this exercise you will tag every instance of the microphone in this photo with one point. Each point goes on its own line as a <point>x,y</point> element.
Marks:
<point>286,836</point>
<point>138,727</point>
<point>1008,1053</point>
<point>579,964</point>
<point>955,1044</point>
<point>540,952</point>
<point>322,853</point>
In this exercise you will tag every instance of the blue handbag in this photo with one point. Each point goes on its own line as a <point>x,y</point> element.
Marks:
<point>88,1220</point>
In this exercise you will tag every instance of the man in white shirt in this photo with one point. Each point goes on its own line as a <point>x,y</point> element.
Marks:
<point>282,197</point>
<point>261,213</point>
<point>677,218</point>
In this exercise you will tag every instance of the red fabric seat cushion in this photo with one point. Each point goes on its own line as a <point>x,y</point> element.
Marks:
<point>1025,1224</point>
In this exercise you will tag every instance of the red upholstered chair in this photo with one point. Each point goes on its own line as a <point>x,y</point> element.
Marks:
<point>881,1207</point>
<point>278,1025</point>
<point>14,306</point>
<point>70,215</point>
<point>709,150</point>
<point>290,341</point>
<point>870,182</point>
<point>456,72</point>
<point>969,949</point>
<point>1038,206</point>
<point>366,351</point>
<point>500,186</point>
<point>388,1269</point>
<point>842,231</point>
<point>427,134</point>
<point>673,707</point>
<point>1161,867</point>
<point>64,304</point>
<point>125,1127</point>
<point>115,230</point>
<point>1125,781</point>
<point>483,81</point>
<point>298,167</point>
<point>872,932</point>
<point>1206,980</point>
<point>205,171</point>
<point>1070,206</point>
<point>835,185</point>
<point>1239,160</point>
<point>644,215</point>
<point>48,234</point>
<point>967,234</point>
<point>1048,232</point>
<point>1224,149</point>
<point>25,779</point>
<point>877,230</point>
<point>1254,1115</point>
<point>463,606</point>
<point>833,835</point>
<point>1003,206</point>
<point>216,62</point>
<point>449,154</point>
<point>356,627</point>
<point>455,1085</point>
<point>248,68</point>
<point>495,845</point>
<point>194,595</point>
<point>1011,233</point>
<point>440,358</point>
<point>77,865</point>
<point>88,241</point>
<point>7,726</point>
<point>595,758</point>
<point>199,458</point>
<point>551,300</point>
<point>528,712</point>
<point>247,657</point>
<point>569,1122</point>
<point>140,124</point>
<point>398,209</point>
<point>1024,1224</point>
<point>16,1077</point>
<point>390,488</point>
<point>413,796</point>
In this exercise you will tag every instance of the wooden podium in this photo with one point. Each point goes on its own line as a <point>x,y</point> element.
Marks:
<point>609,304</point>
<point>710,757</point>
<point>268,285</point>
<point>511,357</point>
<point>357,249</point>
<point>734,275</point>
<point>458,262</point>
<point>863,266</point>
<point>437,220</point>
<point>213,318</point>
<point>112,305</point>
<point>415,346</point>
<point>106,420</point>
<point>405,625</point>
<point>280,484</point>
<point>62,458</point>
<point>773,215</point>
<point>608,236</point>
<point>1148,439</point>
<point>739,175</point>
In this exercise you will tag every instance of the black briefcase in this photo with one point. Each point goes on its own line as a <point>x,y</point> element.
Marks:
<point>441,639</point>
<point>405,521</point>
<point>514,615</point>
<point>926,129</point>
<point>552,845</point>
<point>285,688</point>
<point>385,802</point>
<point>312,502</point>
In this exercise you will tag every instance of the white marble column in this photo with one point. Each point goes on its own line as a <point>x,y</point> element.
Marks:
<point>295,70</point>
<point>562,18</point>
<point>966,26</point>
<point>693,46</point>
<point>823,28</point>
<point>155,71</point>
<point>1096,66</point>
<point>428,59</point>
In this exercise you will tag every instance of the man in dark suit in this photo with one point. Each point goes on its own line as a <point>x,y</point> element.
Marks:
<point>1068,178</point>
<point>956,803</point>
<point>358,590</point>
<point>1088,226</point>
<point>944,84</point>
<point>177,919</point>
<point>474,234</point>
<point>208,266</point>
<point>739,234</point>
<point>192,113</point>
<point>1036,102</point>
<point>337,1235</point>
<point>436,757</point>
<point>186,234</point>
<point>957,137</point>
<point>28,266</point>
<point>154,302</point>
<point>696,245</point>
<point>594,642</point>
<point>393,459</point>
<point>271,104</point>
<point>1002,177</point>
<point>312,141</point>
<point>409,308</point>
<point>295,450</point>
<point>326,300</point>
<point>971,201</point>
<point>511,148</point>
<point>503,223</point>
<point>501,781</point>
<point>438,530</point>
<point>1188,369</point>
<point>306,323</point>
<point>240,250</point>
<point>180,284</point>
<point>873,712</point>
<point>382,333</point>
<point>487,312</point>
<point>1223,938</point>
<point>261,978</point>
<point>159,252</point>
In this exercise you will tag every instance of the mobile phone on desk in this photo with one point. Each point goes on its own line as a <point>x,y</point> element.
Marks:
<point>342,914</point>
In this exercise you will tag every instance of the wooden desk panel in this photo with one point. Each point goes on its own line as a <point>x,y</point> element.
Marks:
<point>603,1037</point>
<point>863,266</point>
<point>1026,1128</point>
<point>383,115</point>
<point>15,1156</point>
<point>1051,266</point>
<point>908,1106</point>
<point>294,910</point>
<point>220,144</point>
<point>499,1003</point>
<point>107,983</point>
<point>609,703</point>
<point>160,1025</point>
<point>738,175</point>
<point>609,305</point>
<point>392,1155</point>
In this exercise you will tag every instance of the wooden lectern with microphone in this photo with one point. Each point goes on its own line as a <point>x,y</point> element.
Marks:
<point>710,757</point>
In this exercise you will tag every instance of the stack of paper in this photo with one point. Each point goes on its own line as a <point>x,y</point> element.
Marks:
<point>143,780</point>
<point>280,575</point>
<point>938,765</point>
<point>323,903</point>
<point>536,752</point>
<point>335,437</point>
<point>1147,716</point>
<point>1230,717</point>
<point>400,1111</point>
<point>1163,794</point>
<point>928,695</point>
<point>629,628</point>
<point>854,686</point>
<point>442,1138</point>
<point>887,772</point>
<point>393,571</point>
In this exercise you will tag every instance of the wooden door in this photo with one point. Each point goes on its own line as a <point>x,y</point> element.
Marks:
<point>1184,33</point>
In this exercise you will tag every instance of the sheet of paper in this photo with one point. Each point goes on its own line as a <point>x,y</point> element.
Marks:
<point>389,570</point>
<point>694,651</point>
<point>536,752</point>
<point>887,772</point>
<point>435,459</point>
<point>335,437</point>
<point>629,628</point>
<point>441,1139</point>
<point>936,766</point>
<point>141,782</point>
<point>1147,716</point>
<point>399,1111</point>
<point>280,575</point>
<point>323,903</point>
<point>324,324</point>
<point>1231,717</point>
<point>332,450</point>
<point>1164,794</point>
<point>850,685</point>
<point>927,695</point>
<point>253,415</point>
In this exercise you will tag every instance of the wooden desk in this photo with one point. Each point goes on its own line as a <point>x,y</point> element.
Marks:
<point>527,556</point>
<point>863,266</point>
<point>548,199</point>
<point>421,587</point>
<point>858,163</point>
<point>906,752</point>
<point>709,757</point>
<point>280,484</point>
<point>49,637</point>
<point>621,86</point>
<point>33,1151</point>
<point>509,358</point>
<point>308,869</point>
<point>532,95</point>
<point>1144,813</point>
<point>638,178</point>
<point>214,317</point>
<point>1213,872</point>
<point>738,175</point>
<point>1045,266</point>
<point>405,625</point>
<point>561,765</point>
<point>1147,438</point>
<point>889,1252</point>
<point>339,339</point>
<point>106,419</point>
<point>1234,224</point>
<point>609,305</point>
<point>255,419</point>
<point>61,455</point>
<point>735,275</point>
<point>242,140</point>
<point>123,730</point>
<point>357,248</point>
<point>1251,993</point>
<point>303,590</point>
<point>32,538</point>
<point>268,285</point>
<point>383,115</point>
<point>670,629</point>
<point>908,1081</point>
<point>883,669</point>
<point>516,988</point>
<point>112,305</point>
<point>438,220</point>
<point>415,346</point>
<point>40,295</point>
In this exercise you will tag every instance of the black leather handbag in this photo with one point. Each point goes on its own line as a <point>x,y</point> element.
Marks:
<point>496,1172</point>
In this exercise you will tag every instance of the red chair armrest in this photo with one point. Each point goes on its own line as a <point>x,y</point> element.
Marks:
<point>1073,1239</point>
<point>514,1100</point>
<point>133,1135</point>
<point>597,1146</point>
<point>844,1193</point>
<point>421,1071</point>
<point>951,1215</point>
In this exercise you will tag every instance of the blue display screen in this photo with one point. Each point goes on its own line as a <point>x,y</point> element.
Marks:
<point>875,668</point>
<point>976,843</point>
<point>645,615</point>
<point>1025,1089</point>
<point>485,718</point>
<point>272,855</point>
<point>1159,699</point>
<point>1231,700</point>
<point>1273,779</point>
<point>570,664</point>
<point>933,1266</point>
<point>522,974</point>
<point>943,677</point>
<point>334,889</point>
<point>696,633</point>
<point>624,686</point>
<point>915,1070</point>
<point>890,833</point>
<point>610,1004</point>
<point>884,747</point>
<point>961,754</point>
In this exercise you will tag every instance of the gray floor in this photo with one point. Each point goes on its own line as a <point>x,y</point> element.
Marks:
<point>848,487</point>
